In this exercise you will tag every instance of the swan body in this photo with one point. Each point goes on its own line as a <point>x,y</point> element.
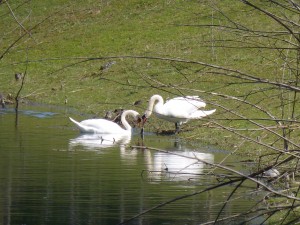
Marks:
<point>178,110</point>
<point>103,126</point>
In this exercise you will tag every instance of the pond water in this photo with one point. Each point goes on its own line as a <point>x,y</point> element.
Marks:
<point>50,174</point>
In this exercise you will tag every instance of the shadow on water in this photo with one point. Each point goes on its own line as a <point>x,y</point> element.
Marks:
<point>50,174</point>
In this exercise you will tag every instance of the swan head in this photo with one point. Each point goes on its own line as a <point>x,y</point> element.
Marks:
<point>144,119</point>
<point>138,121</point>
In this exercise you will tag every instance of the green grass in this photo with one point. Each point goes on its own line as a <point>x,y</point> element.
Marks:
<point>139,28</point>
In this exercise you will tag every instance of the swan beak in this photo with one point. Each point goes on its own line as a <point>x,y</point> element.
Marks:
<point>144,120</point>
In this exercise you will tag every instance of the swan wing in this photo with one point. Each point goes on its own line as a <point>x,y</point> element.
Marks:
<point>82,127</point>
<point>188,103</point>
<point>194,98</point>
<point>201,113</point>
<point>181,107</point>
<point>98,126</point>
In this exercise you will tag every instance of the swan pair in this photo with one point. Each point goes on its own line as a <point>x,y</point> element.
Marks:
<point>178,110</point>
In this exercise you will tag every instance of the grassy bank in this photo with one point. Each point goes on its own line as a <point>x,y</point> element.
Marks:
<point>64,46</point>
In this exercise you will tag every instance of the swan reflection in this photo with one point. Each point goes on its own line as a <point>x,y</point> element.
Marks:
<point>99,141</point>
<point>174,163</point>
<point>178,165</point>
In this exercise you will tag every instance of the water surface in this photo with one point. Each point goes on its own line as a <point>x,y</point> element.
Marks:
<point>50,174</point>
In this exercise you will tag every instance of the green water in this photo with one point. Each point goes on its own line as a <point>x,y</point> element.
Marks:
<point>51,175</point>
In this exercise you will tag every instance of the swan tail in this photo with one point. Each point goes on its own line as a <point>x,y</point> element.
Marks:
<point>78,125</point>
<point>202,113</point>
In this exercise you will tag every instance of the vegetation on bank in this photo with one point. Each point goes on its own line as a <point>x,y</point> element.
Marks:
<point>241,57</point>
<point>60,40</point>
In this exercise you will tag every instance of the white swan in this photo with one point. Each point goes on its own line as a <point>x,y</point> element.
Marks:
<point>178,110</point>
<point>103,126</point>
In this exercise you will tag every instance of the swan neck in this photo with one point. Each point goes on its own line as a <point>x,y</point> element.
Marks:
<point>152,101</point>
<point>124,121</point>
